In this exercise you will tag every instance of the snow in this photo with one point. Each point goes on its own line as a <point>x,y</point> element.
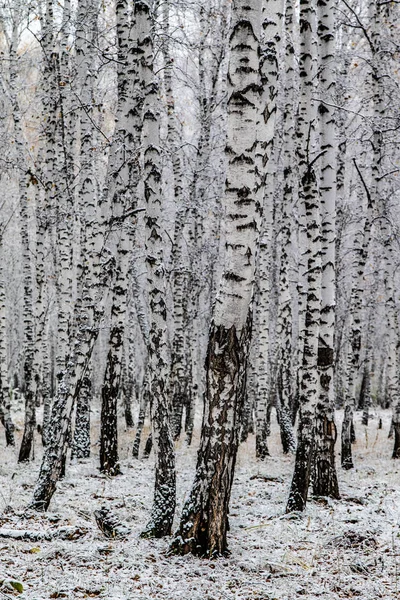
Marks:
<point>336,549</point>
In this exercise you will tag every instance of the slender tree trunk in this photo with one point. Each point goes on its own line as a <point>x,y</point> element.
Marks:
<point>179,382</point>
<point>309,196</point>
<point>5,412</point>
<point>143,403</point>
<point>325,481</point>
<point>26,448</point>
<point>163,509</point>
<point>272,30</point>
<point>121,191</point>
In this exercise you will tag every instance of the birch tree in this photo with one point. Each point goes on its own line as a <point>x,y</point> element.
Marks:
<point>121,198</point>
<point>272,13</point>
<point>309,197</point>
<point>163,510</point>
<point>204,523</point>
<point>325,479</point>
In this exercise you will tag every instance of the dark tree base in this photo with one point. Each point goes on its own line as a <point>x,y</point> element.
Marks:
<point>347,464</point>
<point>111,471</point>
<point>352,432</point>
<point>396,449</point>
<point>26,450</point>
<point>156,531</point>
<point>325,480</point>
<point>148,446</point>
<point>9,431</point>
<point>204,522</point>
<point>302,470</point>
<point>347,456</point>
<point>198,546</point>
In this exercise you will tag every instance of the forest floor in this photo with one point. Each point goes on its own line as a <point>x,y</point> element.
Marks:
<point>337,549</point>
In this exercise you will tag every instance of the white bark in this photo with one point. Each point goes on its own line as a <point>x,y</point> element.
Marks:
<point>309,197</point>
<point>163,510</point>
<point>325,479</point>
<point>203,527</point>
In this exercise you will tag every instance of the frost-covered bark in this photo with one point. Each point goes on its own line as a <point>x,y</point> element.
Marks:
<point>284,385</point>
<point>179,373</point>
<point>87,259</point>
<point>5,413</point>
<point>26,448</point>
<point>121,192</point>
<point>356,310</point>
<point>143,403</point>
<point>204,522</point>
<point>163,509</point>
<point>81,438</point>
<point>373,192</point>
<point>272,14</point>
<point>325,479</point>
<point>79,325</point>
<point>309,197</point>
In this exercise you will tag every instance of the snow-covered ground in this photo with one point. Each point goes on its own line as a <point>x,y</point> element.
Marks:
<point>337,549</point>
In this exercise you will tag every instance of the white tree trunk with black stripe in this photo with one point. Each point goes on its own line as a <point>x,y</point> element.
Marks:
<point>163,510</point>
<point>325,479</point>
<point>204,522</point>
<point>309,197</point>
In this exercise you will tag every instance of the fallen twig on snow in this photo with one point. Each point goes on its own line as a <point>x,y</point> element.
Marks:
<point>62,533</point>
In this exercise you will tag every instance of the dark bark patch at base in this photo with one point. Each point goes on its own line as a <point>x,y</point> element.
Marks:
<point>181,547</point>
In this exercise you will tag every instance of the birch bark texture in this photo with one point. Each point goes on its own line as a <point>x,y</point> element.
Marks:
<point>325,481</point>
<point>121,200</point>
<point>204,521</point>
<point>309,197</point>
<point>272,31</point>
<point>163,510</point>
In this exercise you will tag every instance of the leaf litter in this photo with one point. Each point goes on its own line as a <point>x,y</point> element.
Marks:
<point>337,549</point>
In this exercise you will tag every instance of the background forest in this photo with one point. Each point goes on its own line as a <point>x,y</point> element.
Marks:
<point>199,257</point>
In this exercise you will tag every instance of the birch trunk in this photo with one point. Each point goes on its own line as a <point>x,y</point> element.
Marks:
<point>88,263</point>
<point>309,197</point>
<point>26,449</point>
<point>5,408</point>
<point>204,522</point>
<point>325,481</point>
<point>272,14</point>
<point>163,510</point>
<point>121,190</point>
<point>179,373</point>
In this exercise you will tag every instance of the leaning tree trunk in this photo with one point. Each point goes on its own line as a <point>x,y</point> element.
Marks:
<point>325,481</point>
<point>204,522</point>
<point>83,335</point>
<point>309,196</point>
